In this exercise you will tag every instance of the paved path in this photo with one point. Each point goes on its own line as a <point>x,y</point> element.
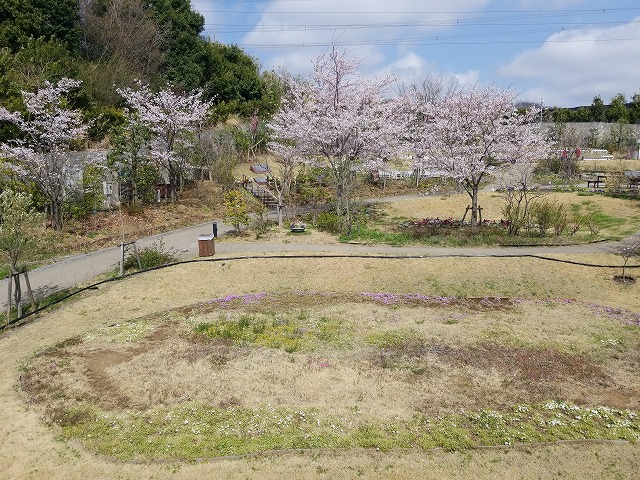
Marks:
<point>77,269</point>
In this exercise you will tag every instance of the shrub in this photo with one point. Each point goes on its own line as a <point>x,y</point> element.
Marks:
<point>560,219</point>
<point>616,179</point>
<point>328,222</point>
<point>152,256</point>
<point>260,222</point>
<point>550,214</point>
<point>236,210</point>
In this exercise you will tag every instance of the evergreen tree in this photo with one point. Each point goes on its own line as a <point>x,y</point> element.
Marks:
<point>597,109</point>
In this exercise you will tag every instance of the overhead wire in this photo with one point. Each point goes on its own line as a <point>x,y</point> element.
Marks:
<point>516,23</point>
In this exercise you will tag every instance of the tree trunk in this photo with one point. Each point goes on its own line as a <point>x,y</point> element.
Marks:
<point>133,195</point>
<point>474,206</point>
<point>29,290</point>
<point>280,207</point>
<point>56,215</point>
<point>348,211</point>
<point>173,184</point>
<point>15,277</point>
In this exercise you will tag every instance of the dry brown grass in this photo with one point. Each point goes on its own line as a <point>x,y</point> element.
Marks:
<point>492,203</point>
<point>455,357</point>
<point>608,165</point>
<point>30,449</point>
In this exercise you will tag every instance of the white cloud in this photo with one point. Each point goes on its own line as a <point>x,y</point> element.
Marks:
<point>576,65</point>
<point>373,29</point>
<point>464,39</point>
<point>468,79</point>
<point>411,68</point>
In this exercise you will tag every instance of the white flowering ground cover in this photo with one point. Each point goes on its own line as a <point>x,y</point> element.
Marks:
<point>353,373</point>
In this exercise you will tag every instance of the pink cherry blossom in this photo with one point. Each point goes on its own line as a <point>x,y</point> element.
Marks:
<point>48,130</point>
<point>339,119</point>
<point>470,134</point>
<point>172,119</point>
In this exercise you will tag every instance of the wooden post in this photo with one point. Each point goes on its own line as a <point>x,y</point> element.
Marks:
<point>465,214</point>
<point>9,299</point>
<point>122,259</point>
<point>29,290</point>
<point>123,248</point>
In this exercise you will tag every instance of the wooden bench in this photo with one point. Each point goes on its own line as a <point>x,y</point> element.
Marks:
<point>596,181</point>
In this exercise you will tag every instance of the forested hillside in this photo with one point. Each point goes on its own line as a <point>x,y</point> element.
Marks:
<point>107,44</point>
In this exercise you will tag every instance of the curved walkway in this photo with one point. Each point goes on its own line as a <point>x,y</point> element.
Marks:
<point>77,269</point>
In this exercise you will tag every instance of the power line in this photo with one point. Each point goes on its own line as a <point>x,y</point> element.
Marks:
<point>431,42</point>
<point>245,28</point>
<point>528,23</point>
<point>590,11</point>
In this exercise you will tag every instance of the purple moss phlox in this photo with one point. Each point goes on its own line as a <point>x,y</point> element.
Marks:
<point>626,316</point>
<point>392,298</point>
<point>246,299</point>
<point>615,313</point>
<point>385,298</point>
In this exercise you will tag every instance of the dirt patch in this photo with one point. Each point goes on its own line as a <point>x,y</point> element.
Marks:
<point>530,365</point>
<point>539,374</point>
<point>626,280</point>
<point>97,364</point>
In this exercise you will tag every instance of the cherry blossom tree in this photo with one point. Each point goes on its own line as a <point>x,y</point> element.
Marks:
<point>172,119</point>
<point>339,119</point>
<point>48,130</point>
<point>470,134</point>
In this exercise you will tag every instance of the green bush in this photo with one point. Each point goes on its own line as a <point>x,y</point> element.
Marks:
<point>550,214</point>
<point>151,256</point>
<point>328,222</point>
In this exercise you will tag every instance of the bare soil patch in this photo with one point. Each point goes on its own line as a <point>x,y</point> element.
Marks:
<point>624,280</point>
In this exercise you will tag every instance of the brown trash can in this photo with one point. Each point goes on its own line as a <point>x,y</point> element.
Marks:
<point>206,247</point>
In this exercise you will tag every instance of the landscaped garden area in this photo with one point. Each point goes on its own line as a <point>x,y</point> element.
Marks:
<point>575,217</point>
<point>248,373</point>
<point>386,354</point>
<point>412,280</point>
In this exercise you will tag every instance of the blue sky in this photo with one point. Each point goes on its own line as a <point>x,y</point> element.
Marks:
<point>560,52</point>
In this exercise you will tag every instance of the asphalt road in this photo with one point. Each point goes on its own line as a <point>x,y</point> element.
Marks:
<point>78,269</point>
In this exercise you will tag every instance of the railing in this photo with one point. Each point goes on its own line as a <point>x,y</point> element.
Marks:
<point>260,192</point>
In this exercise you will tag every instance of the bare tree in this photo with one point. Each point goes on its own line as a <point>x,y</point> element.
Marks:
<point>216,151</point>
<point>430,89</point>
<point>627,249</point>
<point>519,195</point>
<point>124,40</point>
<point>282,184</point>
